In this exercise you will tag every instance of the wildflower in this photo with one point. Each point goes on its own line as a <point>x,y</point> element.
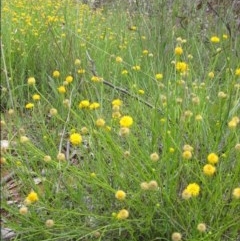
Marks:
<point>181,67</point>
<point>77,62</point>
<point>152,185</point>
<point>93,174</point>
<point>237,72</point>
<point>81,71</point>
<point>96,79</point>
<point>126,153</point>
<point>49,223</point>
<point>119,59</point>
<point>100,122</point>
<point>61,157</point>
<point>237,147</point>
<point>144,186</point>
<point>225,36</point>
<point>94,106</point>
<point>31,81</point>
<point>133,28</point>
<point>188,148</point>
<point>136,67</point>
<point>158,76</point>
<point>212,158</point>
<point>178,51</point>
<point>117,102</point>
<point>61,89</point>
<point>186,194</point>
<point>24,139</point>
<point>211,75</point>
<point>154,157</point>
<point>176,236</point>
<point>193,189</point>
<point>141,92</point>
<point>202,227</point>
<point>75,139</point>
<point>124,131</point>
<point>23,210</point>
<point>171,150</point>
<point>126,121</point>
<point>84,104</point>
<point>215,39</point>
<point>29,106</point>
<point>32,197</point>
<point>36,97</point>
<point>124,72</point>
<point>116,114</point>
<point>232,124</point>
<point>69,79</point>
<point>196,100</point>
<point>187,155</point>
<point>198,118</point>
<point>145,52</point>
<point>56,74</point>
<point>120,195</point>
<point>122,214</point>
<point>53,111</point>
<point>209,169</point>
<point>66,102</point>
<point>84,130</point>
<point>222,95</point>
<point>47,158</point>
<point>236,192</point>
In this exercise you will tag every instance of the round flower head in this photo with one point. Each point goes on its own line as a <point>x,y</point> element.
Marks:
<point>144,186</point>
<point>178,51</point>
<point>77,62</point>
<point>119,59</point>
<point>124,131</point>
<point>186,194</point>
<point>193,189</point>
<point>69,79</point>
<point>187,155</point>
<point>159,76</point>
<point>154,157</point>
<point>122,214</point>
<point>49,223</point>
<point>75,139</point>
<point>53,111</point>
<point>84,104</point>
<point>126,121</point>
<point>202,227</point>
<point>212,158</point>
<point>215,39</point>
<point>94,106</point>
<point>29,106</point>
<point>36,97</point>
<point>31,81</point>
<point>23,210</point>
<point>176,236</point>
<point>152,185</point>
<point>61,157</point>
<point>209,169</point>
<point>100,122</point>
<point>61,89</point>
<point>32,197</point>
<point>47,158</point>
<point>56,74</point>
<point>236,193</point>
<point>120,195</point>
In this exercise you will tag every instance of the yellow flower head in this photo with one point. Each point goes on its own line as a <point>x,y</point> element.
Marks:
<point>202,227</point>
<point>181,67</point>
<point>100,122</point>
<point>209,169</point>
<point>77,62</point>
<point>154,157</point>
<point>94,106</point>
<point>69,79</point>
<point>215,39</point>
<point>187,155</point>
<point>141,92</point>
<point>122,214</point>
<point>61,89</point>
<point>31,81</point>
<point>145,51</point>
<point>136,67</point>
<point>29,106</point>
<point>56,74</point>
<point>120,195</point>
<point>124,72</point>
<point>84,104</point>
<point>117,102</point>
<point>211,75</point>
<point>159,76</point>
<point>176,236</point>
<point>96,79</point>
<point>81,71</point>
<point>193,189</point>
<point>237,72</point>
<point>75,139</point>
<point>32,197</point>
<point>178,51</point>
<point>119,59</point>
<point>126,121</point>
<point>36,97</point>
<point>212,158</point>
<point>236,192</point>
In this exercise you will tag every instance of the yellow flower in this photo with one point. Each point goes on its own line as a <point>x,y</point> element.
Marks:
<point>53,111</point>
<point>49,223</point>
<point>225,36</point>
<point>202,227</point>
<point>84,104</point>
<point>181,67</point>
<point>32,197</point>
<point>237,72</point>
<point>31,81</point>
<point>126,121</point>
<point>187,155</point>
<point>56,74</point>
<point>77,62</point>
<point>100,122</point>
<point>141,92</point>
<point>120,195</point>
<point>94,106</point>
<point>61,89</point>
<point>81,71</point>
<point>61,156</point>
<point>212,158</point>
<point>176,236</point>
<point>119,59</point>
<point>152,185</point>
<point>188,148</point>
<point>154,157</point>
<point>36,97</point>
<point>159,76</point>
<point>133,28</point>
<point>186,194</point>
<point>215,39</point>
<point>75,139</point>
<point>124,131</point>
<point>117,102</point>
<point>236,192</point>
<point>178,51</point>
<point>96,79</point>
<point>23,210</point>
<point>124,72</point>
<point>116,114</point>
<point>69,79</point>
<point>209,169</point>
<point>211,75</point>
<point>136,67</point>
<point>29,106</point>
<point>145,52</point>
<point>122,214</point>
<point>193,189</point>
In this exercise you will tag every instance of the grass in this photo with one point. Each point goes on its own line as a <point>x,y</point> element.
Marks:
<point>68,160</point>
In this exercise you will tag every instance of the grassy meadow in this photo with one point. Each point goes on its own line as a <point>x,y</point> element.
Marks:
<point>121,122</point>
